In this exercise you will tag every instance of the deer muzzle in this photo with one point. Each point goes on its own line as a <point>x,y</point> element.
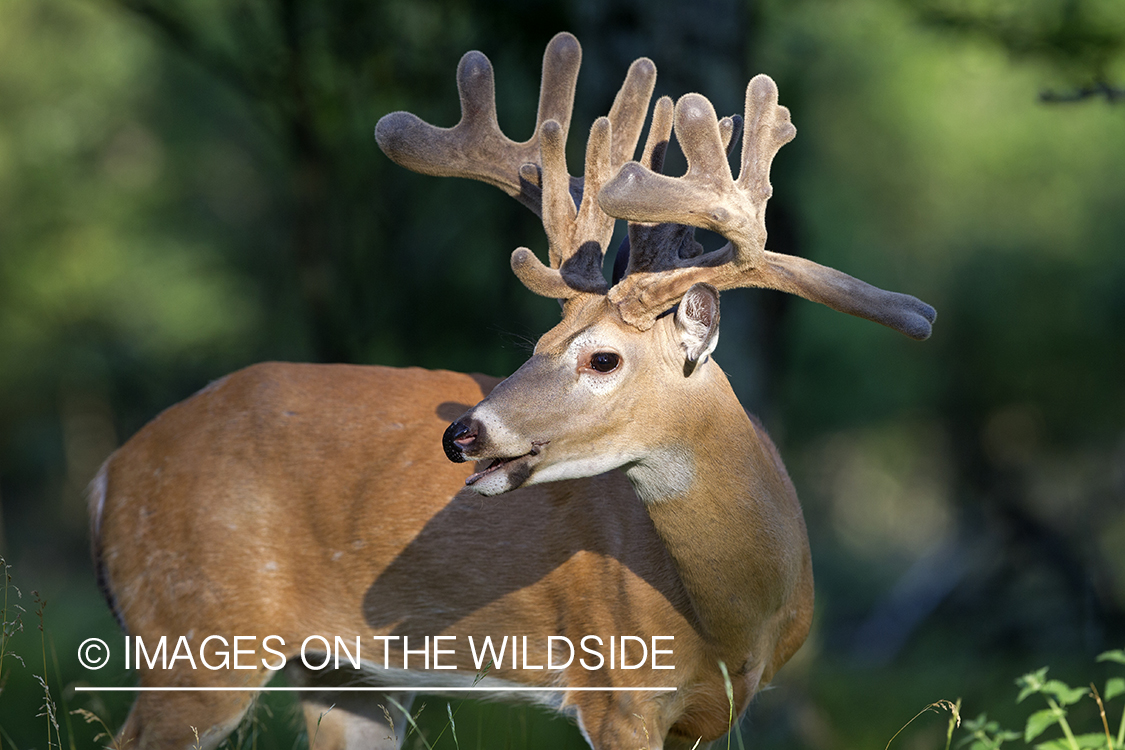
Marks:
<point>459,437</point>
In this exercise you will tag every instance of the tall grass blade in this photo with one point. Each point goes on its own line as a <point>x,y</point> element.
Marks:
<point>953,708</point>
<point>730,698</point>
<point>452,726</point>
<point>410,720</point>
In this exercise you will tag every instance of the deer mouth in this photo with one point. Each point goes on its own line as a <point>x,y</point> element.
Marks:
<point>518,468</point>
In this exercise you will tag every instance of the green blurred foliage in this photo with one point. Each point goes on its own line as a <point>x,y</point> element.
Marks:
<point>187,188</point>
<point>1083,40</point>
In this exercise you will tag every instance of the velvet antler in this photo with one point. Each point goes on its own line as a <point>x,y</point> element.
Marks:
<point>708,196</point>
<point>534,172</point>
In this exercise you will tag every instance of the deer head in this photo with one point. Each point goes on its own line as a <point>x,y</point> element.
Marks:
<point>575,408</point>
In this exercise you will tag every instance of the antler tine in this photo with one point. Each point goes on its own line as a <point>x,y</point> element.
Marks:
<point>768,128</point>
<point>730,128</point>
<point>663,220</point>
<point>702,197</point>
<point>630,107</point>
<point>626,117</point>
<point>559,213</point>
<point>475,147</point>
<point>659,135</point>
<point>649,243</point>
<point>707,196</point>
<point>561,60</point>
<point>577,237</point>
<point>655,247</point>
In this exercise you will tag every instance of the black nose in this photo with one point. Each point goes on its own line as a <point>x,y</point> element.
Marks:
<point>455,432</point>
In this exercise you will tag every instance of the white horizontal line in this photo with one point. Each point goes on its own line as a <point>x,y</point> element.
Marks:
<point>365,689</point>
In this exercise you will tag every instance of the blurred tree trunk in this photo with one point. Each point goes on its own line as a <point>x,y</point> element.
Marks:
<point>279,95</point>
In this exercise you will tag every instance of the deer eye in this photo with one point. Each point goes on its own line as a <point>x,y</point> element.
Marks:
<point>604,361</point>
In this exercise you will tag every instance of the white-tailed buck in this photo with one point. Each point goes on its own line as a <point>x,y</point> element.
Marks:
<point>645,517</point>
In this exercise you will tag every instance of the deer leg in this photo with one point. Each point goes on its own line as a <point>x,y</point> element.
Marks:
<point>350,721</point>
<point>172,720</point>
<point>619,721</point>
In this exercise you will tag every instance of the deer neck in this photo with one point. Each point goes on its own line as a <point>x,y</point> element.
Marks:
<point>727,514</point>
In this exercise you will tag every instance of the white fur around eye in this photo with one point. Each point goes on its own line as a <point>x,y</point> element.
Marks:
<point>597,383</point>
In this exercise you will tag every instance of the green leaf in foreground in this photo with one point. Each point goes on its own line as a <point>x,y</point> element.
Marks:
<point>985,734</point>
<point>1031,683</point>
<point>1065,694</point>
<point>1114,687</point>
<point>1039,721</point>
<point>1090,741</point>
<point>1117,656</point>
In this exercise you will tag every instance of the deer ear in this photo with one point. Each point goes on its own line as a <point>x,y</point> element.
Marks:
<point>697,323</point>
